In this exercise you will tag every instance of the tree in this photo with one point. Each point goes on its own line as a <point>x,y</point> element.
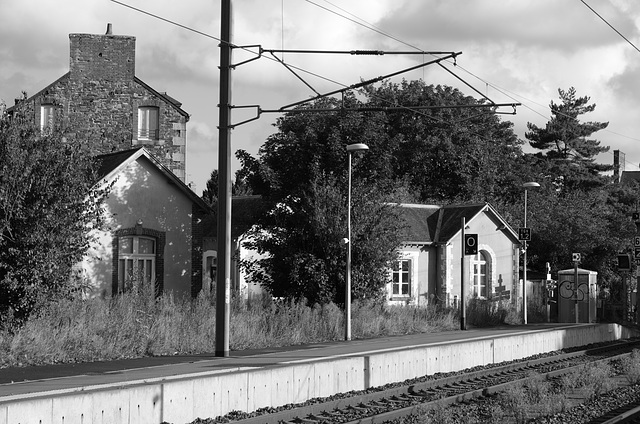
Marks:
<point>449,147</point>
<point>444,154</point>
<point>47,207</point>
<point>302,174</point>
<point>238,188</point>
<point>568,152</point>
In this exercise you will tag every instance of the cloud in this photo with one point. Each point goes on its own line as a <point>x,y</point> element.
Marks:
<point>451,24</point>
<point>513,50</point>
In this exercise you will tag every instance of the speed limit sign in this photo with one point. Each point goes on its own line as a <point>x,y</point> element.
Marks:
<point>636,241</point>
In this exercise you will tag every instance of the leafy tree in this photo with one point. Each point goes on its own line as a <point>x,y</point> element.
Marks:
<point>444,154</point>
<point>47,208</point>
<point>568,152</point>
<point>238,188</point>
<point>449,147</point>
<point>210,193</point>
<point>302,173</point>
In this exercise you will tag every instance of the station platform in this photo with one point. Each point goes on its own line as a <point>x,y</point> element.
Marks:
<point>179,389</point>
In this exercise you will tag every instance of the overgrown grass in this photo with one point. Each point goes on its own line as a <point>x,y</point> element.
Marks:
<point>136,325</point>
<point>489,313</point>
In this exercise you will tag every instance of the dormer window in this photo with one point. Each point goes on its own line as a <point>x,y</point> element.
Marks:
<point>148,128</point>
<point>47,117</point>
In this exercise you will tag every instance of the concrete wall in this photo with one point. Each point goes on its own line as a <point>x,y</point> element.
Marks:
<point>182,399</point>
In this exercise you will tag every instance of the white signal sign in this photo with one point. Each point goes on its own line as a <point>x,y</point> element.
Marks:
<point>636,241</point>
<point>576,257</point>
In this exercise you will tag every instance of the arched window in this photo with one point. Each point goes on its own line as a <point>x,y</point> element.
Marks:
<point>136,261</point>
<point>481,265</point>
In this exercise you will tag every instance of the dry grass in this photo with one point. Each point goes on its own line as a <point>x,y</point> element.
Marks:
<point>136,325</point>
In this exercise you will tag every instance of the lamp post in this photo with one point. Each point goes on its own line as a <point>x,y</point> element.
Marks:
<point>351,148</point>
<point>524,270</point>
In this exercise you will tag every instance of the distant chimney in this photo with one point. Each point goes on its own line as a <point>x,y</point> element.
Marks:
<point>108,29</point>
<point>618,165</point>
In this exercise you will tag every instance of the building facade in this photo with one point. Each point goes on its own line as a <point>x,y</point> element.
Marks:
<point>152,233</point>
<point>430,269</point>
<point>101,102</point>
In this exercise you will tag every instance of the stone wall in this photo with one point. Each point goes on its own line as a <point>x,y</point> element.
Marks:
<point>97,102</point>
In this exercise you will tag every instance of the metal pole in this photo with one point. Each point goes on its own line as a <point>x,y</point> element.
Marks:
<point>575,292</point>
<point>347,290</point>
<point>223,274</point>
<point>524,270</point>
<point>463,309</point>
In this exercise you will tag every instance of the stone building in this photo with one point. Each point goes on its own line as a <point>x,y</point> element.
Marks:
<point>100,101</point>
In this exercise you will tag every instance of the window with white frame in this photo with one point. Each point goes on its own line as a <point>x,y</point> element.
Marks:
<point>480,264</point>
<point>47,116</point>
<point>136,261</point>
<point>401,278</point>
<point>148,123</point>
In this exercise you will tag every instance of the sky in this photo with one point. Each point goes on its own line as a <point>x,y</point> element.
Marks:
<point>513,51</point>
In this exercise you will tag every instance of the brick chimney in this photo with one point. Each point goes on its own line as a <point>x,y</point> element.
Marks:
<point>618,165</point>
<point>102,57</point>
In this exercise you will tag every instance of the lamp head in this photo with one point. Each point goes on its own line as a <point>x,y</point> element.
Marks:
<point>357,147</point>
<point>531,184</point>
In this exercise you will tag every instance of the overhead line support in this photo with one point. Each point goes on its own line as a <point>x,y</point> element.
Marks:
<point>356,52</point>
<point>371,81</point>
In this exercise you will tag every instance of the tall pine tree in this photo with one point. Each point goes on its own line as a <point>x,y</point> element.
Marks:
<point>567,150</point>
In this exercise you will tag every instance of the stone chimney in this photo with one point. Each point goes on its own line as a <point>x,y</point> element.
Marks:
<point>102,57</point>
<point>618,165</point>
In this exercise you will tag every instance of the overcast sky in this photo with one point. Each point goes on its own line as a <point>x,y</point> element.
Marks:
<point>512,51</point>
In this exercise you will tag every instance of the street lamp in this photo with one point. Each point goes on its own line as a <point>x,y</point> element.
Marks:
<point>351,148</point>
<point>524,271</point>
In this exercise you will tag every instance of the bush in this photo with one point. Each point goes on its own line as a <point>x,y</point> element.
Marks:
<point>631,366</point>
<point>487,313</point>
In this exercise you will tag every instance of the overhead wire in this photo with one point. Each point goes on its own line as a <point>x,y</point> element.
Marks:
<point>169,21</point>
<point>380,31</point>
<point>610,26</point>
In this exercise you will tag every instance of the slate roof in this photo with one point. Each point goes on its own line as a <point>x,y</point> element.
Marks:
<point>421,222</point>
<point>433,224</point>
<point>629,177</point>
<point>451,218</point>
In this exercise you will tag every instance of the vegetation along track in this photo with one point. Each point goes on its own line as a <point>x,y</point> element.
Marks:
<point>392,402</point>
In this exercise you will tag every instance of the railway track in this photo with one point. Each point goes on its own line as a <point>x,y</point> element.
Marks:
<point>629,413</point>
<point>419,395</point>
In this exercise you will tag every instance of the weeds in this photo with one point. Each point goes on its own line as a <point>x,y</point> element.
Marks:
<point>631,367</point>
<point>136,324</point>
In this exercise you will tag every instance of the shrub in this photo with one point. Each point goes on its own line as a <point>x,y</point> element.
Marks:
<point>631,367</point>
<point>486,313</point>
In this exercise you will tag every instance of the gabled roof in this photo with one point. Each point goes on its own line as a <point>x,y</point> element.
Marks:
<point>628,177</point>
<point>432,224</point>
<point>452,216</point>
<point>170,100</point>
<point>30,98</point>
<point>108,166</point>
<point>421,222</point>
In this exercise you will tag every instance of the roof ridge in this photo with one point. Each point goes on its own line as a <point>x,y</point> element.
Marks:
<point>119,152</point>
